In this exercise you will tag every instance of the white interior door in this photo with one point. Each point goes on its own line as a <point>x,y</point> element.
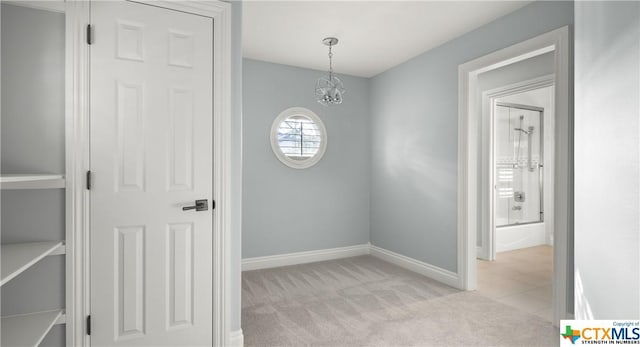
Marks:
<point>151,155</point>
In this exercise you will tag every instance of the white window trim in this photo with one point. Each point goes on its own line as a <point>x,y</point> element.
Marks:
<point>290,162</point>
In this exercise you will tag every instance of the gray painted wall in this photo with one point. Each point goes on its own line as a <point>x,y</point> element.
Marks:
<point>528,69</point>
<point>414,126</point>
<point>33,142</point>
<point>607,160</point>
<point>288,210</point>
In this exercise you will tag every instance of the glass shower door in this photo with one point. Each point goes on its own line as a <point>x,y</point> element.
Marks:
<point>518,153</point>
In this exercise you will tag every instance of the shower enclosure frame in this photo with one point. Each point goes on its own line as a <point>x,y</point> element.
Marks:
<point>540,110</point>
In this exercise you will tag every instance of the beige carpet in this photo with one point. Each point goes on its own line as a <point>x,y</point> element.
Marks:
<point>364,301</point>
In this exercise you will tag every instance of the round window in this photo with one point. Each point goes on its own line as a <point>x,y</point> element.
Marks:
<point>298,138</point>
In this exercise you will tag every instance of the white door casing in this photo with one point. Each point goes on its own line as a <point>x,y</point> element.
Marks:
<point>151,155</point>
<point>468,139</point>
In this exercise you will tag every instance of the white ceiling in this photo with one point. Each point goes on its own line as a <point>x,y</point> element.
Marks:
<point>374,35</point>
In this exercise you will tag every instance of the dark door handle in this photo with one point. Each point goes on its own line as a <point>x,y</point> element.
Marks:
<point>201,205</point>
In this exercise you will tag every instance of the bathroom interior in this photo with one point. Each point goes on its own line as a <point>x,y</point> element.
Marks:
<point>518,269</point>
<point>519,170</point>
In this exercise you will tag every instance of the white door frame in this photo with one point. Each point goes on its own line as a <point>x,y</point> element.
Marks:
<point>469,139</point>
<point>487,250</point>
<point>78,163</point>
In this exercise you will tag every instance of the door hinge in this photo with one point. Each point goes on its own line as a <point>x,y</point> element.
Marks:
<point>89,180</point>
<point>89,325</point>
<point>89,34</point>
<point>213,204</point>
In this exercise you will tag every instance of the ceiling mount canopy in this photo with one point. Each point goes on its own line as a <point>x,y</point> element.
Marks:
<point>330,41</point>
<point>329,89</point>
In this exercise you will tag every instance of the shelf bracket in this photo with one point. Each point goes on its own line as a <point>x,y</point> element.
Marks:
<point>61,320</point>
<point>62,249</point>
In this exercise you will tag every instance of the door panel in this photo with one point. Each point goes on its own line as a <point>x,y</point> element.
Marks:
<point>180,145</point>
<point>130,280</point>
<point>130,136</point>
<point>179,275</point>
<point>151,155</point>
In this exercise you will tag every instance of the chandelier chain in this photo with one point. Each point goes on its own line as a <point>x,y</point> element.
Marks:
<point>330,62</point>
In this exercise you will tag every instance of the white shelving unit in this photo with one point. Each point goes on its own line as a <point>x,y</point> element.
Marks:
<point>28,329</point>
<point>31,328</point>
<point>42,181</point>
<point>33,283</point>
<point>18,257</point>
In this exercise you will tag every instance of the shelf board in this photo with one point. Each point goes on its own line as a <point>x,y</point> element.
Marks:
<point>28,329</point>
<point>18,257</point>
<point>45,181</point>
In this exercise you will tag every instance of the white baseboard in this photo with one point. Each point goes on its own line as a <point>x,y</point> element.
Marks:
<point>439,274</point>
<point>236,338</point>
<point>482,253</point>
<point>303,257</point>
<point>445,276</point>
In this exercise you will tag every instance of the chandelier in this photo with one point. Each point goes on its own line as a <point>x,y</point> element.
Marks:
<point>329,89</point>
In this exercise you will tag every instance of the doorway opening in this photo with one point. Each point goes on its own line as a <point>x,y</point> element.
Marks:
<point>515,249</point>
<point>518,126</point>
<point>475,165</point>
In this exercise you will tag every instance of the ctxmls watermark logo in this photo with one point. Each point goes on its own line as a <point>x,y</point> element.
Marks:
<point>599,332</point>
